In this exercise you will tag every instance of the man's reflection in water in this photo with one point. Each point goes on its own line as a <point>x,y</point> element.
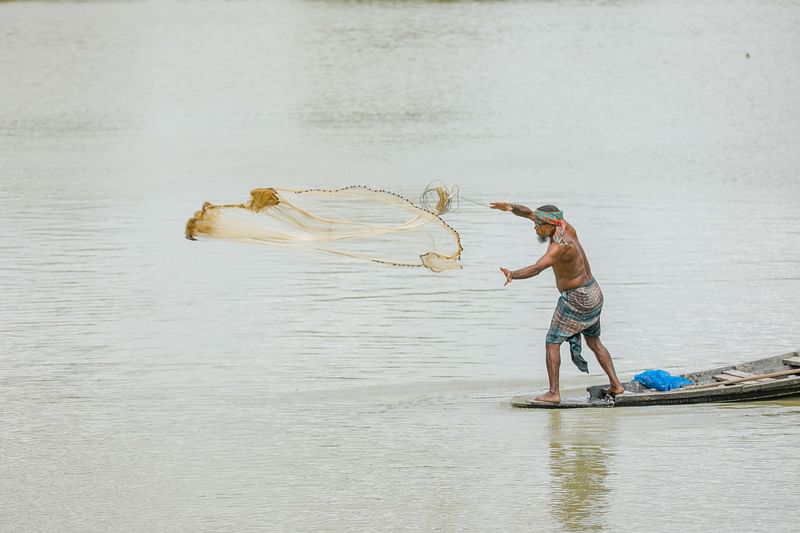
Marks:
<point>579,453</point>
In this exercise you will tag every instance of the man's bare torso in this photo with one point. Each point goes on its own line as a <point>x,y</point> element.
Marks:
<point>572,267</point>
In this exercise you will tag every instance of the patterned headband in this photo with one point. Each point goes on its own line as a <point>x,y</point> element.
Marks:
<point>555,218</point>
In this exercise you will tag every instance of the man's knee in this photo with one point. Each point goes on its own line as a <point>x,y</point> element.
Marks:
<point>593,343</point>
<point>552,348</point>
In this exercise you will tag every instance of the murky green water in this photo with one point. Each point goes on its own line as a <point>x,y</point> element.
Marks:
<point>150,383</point>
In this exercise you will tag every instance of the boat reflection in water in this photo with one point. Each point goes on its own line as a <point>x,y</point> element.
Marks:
<point>580,449</point>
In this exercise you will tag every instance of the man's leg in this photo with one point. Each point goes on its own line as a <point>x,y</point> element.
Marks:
<point>604,358</point>
<point>553,366</point>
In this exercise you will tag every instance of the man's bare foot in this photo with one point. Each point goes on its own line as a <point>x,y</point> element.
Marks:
<point>613,391</point>
<point>549,397</point>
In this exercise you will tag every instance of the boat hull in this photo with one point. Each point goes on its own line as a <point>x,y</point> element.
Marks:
<point>763,379</point>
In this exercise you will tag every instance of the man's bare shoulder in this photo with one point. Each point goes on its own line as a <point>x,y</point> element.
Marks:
<point>571,229</point>
<point>572,234</point>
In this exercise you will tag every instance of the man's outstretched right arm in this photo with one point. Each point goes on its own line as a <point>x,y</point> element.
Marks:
<point>517,209</point>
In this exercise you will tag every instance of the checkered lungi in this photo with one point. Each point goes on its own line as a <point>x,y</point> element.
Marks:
<point>578,311</point>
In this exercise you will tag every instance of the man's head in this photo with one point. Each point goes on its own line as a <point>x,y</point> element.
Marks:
<point>543,228</point>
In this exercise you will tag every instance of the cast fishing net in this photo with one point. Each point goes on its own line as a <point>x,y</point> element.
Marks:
<point>356,222</point>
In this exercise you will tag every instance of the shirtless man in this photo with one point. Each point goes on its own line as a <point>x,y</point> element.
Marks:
<point>581,301</point>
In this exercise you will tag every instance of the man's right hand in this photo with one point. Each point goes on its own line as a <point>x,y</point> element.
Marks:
<point>507,273</point>
<point>502,206</point>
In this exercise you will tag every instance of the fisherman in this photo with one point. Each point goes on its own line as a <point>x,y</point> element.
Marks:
<point>578,309</point>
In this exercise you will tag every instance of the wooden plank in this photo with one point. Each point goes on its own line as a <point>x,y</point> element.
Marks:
<point>739,374</point>
<point>740,380</point>
<point>724,377</point>
<point>790,382</point>
<point>792,361</point>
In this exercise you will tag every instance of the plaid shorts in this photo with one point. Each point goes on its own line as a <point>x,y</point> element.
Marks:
<point>578,311</point>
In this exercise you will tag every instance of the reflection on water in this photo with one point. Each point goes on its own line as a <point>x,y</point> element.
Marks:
<point>579,456</point>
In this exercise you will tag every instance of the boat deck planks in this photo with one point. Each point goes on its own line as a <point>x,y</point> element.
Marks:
<point>739,374</point>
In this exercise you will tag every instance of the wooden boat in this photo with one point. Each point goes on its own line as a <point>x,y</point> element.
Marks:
<point>762,379</point>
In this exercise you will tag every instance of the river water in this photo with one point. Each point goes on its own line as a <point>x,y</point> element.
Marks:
<point>150,383</point>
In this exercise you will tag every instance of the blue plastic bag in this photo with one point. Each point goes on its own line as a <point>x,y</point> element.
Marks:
<point>661,380</point>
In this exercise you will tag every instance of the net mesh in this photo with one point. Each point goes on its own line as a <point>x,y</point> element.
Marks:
<point>356,222</point>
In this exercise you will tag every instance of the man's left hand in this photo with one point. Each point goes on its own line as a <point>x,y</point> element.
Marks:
<point>502,206</point>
